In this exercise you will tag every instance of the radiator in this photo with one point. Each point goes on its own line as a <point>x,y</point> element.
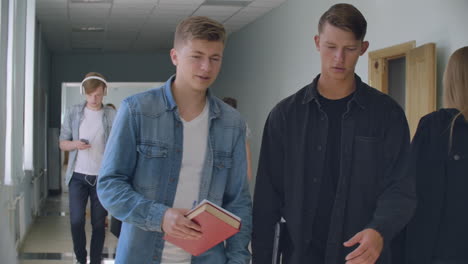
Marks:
<point>39,194</point>
<point>17,218</point>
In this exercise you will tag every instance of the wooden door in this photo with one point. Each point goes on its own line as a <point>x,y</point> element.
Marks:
<point>421,92</point>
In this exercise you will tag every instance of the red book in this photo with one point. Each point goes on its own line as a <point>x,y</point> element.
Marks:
<point>217,225</point>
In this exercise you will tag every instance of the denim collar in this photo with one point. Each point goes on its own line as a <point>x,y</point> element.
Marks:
<point>171,104</point>
<point>359,97</point>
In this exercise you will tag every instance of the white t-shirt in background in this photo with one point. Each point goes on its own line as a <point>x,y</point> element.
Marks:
<point>88,161</point>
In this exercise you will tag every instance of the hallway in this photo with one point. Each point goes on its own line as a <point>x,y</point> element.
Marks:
<point>49,239</point>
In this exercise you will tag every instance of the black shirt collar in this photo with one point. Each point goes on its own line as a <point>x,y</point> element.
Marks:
<point>359,97</point>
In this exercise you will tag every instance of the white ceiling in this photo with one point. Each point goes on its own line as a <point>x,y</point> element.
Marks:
<point>135,25</point>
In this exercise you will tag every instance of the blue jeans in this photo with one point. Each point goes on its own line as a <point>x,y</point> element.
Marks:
<point>80,188</point>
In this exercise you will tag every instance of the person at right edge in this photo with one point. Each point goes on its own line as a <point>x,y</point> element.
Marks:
<point>439,159</point>
<point>333,161</point>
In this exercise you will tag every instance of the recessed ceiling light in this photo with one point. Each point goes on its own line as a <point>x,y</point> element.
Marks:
<point>79,49</point>
<point>92,1</point>
<point>227,2</point>
<point>88,29</point>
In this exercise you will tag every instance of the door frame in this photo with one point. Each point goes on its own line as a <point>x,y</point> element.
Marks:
<point>378,63</point>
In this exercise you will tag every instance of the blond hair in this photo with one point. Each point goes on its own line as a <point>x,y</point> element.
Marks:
<point>199,27</point>
<point>456,85</point>
<point>92,84</point>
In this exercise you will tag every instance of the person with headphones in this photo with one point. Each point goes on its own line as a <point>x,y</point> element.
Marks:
<point>84,134</point>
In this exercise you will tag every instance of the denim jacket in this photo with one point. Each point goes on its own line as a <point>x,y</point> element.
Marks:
<point>139,174</point>
<point>71,127</point>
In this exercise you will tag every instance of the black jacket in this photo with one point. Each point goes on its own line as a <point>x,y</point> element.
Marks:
<point>373,191</point>
<point>434,164</point>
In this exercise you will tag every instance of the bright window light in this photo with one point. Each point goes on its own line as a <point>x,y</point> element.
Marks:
<point>9,95</point>
<point>28,162</point>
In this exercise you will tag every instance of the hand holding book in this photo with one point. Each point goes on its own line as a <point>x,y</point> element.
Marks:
<point>215,225</point>
<point>177,225</point>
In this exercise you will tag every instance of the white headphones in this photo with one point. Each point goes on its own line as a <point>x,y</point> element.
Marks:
<point>82,89</point>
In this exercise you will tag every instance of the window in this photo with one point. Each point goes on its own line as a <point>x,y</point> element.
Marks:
<point>9,90</point>
<point>3,62</point>
<point>29,86</point>
<point>16,71</point>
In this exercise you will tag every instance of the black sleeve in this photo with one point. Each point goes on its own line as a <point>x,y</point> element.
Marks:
<point>418,146</point>
<point>268,195</point>
<point>427,164</point>
<point>396,204</point>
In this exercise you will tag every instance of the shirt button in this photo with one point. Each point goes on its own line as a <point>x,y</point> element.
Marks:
<point>172,179</point>
<point>319,148</point>
<point>315,179</point>
<point>178,150</point>
<point>456,157</point>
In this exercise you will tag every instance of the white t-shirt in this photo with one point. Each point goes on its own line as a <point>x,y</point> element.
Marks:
<point>188,188</point>
<point>88,161</point>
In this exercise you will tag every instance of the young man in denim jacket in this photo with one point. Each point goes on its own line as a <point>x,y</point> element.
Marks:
<point>172,147</point>
<point>84,134</point>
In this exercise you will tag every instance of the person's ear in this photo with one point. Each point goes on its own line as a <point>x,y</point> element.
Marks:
<point>174,57</point>
<point>364,47</point>
<point>317,42</point>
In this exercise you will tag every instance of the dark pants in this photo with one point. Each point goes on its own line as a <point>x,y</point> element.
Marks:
<point>80,188</point>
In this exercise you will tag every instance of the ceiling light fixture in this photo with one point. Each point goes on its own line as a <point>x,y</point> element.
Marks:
<point>227,2</point>
<point>92,1</point>
<point>88,29</point>
<point>80,49</point>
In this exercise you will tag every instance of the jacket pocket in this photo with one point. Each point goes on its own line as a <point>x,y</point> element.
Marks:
<point>222,162</point>
<point>367,148</point>
<point>152,166</point>
<point>366,168</point>
<point>152,151</point>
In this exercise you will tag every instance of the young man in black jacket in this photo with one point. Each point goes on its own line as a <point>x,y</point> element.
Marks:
<point>332,161</point>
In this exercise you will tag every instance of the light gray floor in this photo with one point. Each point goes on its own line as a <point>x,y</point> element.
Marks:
<point>49,239</point>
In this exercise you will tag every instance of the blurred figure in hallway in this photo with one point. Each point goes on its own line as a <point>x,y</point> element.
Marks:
<point>111,106</point>
<point>248,134</point>
<point>84,133</point>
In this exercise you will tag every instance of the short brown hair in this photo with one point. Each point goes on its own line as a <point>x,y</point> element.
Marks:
<point>111,106</point>
<point>230,101</point>
<point>199,27</point>
<point>92,84</point>
<point>346,17</point>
